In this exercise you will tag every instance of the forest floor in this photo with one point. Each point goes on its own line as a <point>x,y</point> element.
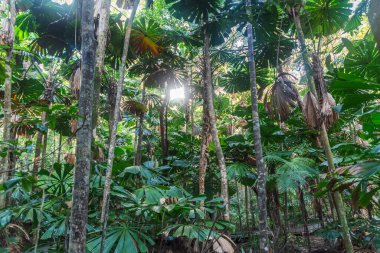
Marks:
<point>319,245</point>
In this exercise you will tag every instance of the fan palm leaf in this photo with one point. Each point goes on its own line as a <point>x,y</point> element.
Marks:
<point>325,17</point>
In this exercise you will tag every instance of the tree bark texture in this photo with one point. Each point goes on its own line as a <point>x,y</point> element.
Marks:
<point>102,15</point>
<point>112,141</point>
<point>261,170</point>
<point>204,154</point>
<point>209,96</point>
<point>77,242</point>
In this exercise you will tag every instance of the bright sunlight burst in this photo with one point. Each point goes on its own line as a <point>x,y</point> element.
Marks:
<point>177,93</point>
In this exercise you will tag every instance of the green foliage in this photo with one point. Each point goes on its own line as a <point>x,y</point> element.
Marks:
<point>326,17</point>
<point>193,10</point>
<point>291,174</point>
<point>159,198</point>
<point>122,239</point>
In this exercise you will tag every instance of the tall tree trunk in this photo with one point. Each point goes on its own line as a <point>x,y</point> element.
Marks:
<point>59,148</point>
<point>163,125</point>
<point>305,217</point>
<point>205,140</point>
<point>48,96</point>
<point>246,200</point>
<point>102,15</point>
<point>337,196</point>
<point>324,137</point>
<point>261,170</point>
<point>79,210</point>
<point>186,101</point>
<point>238,205</point>
<point>209,96</point>
<point>37,150</point>
<point>138,152</point>
<point>7,38</point>
<point>253,193</point>
<point>112,141</point>
<point>41,142</point>
<point>44,149</point>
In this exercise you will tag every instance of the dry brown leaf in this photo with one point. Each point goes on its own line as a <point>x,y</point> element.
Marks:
<point>311,110</point>
<point>75,82</point>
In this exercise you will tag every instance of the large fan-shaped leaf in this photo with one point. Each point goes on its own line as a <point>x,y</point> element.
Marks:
<point>122,239</point>
<point>193,10</point>
<point>145,36</point>
<point>325,17</point>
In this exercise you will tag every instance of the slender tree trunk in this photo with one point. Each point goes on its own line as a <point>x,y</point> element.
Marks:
<point>205,140</point>
<point>37,150</point>
<point>305,217</point>
<point>7,38</point>
<point>79,210</point>
<point>138,153</point>
<point>261,170</point>
<point>246,198</point>
<point>163,125</point>
<point>112,141</point>
<point>214,131</point>
<point>187,93</point>
<point>252,193</point>
<point>41,142</point>
<point>48,96</point>
<point>44,148</point>
<point>102,15</point>
<point>59,148</point>
<point>238,205</point>
<point>337,196</point>
<point>324,137</point>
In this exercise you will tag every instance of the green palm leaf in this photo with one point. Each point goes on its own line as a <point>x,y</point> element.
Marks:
<point>325,17</point>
